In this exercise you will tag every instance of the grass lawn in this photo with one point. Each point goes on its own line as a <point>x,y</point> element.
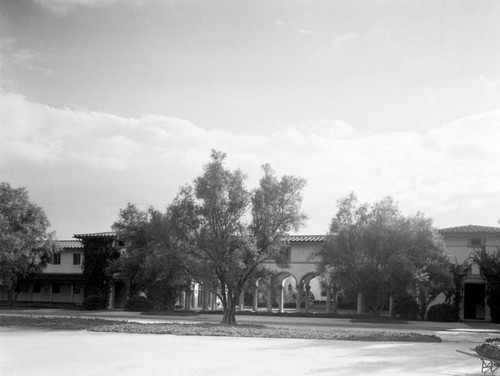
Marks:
<point>256,331</point>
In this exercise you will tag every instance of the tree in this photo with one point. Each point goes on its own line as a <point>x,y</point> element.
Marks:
<point>489,266</point>
<point>376,251</point>
<point>152,263</point>
<point>99,255</point>
<point>25,244</point>
<point>211,217</point>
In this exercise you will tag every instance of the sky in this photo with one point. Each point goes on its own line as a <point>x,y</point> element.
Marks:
<point>105,102</point>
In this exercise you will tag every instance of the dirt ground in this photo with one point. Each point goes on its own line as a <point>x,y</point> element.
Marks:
<point>31,351</point>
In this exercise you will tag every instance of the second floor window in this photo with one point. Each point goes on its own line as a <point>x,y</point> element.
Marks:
<point>57,259</point>
<point>77,258</point>
<point>475,243</point>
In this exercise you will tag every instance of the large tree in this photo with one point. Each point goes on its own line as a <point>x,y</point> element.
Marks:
<point>152,263</point>
<point>230,232</point>
<point>489,266</point>
<point>378,252</point>
<point>25,244</point>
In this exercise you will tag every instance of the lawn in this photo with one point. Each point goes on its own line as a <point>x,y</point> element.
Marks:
<point>256,331</point>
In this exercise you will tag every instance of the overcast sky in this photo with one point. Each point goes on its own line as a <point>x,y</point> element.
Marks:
<point>104,102</point>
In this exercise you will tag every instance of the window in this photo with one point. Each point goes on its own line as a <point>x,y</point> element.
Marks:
<point>37,288</point>
<point>77,258</point>
<point>57,259</point>
<point>475,242</point>
<point>56,288</point>
<point>286,254</point>
<point>76,289</point>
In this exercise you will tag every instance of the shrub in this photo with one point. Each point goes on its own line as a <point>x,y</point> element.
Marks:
<point>443,312</point>
<point>94,302</point>
<point>138,303</point>
<point>406,308</point>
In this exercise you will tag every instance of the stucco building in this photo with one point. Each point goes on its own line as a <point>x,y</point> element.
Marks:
<point>62,280</point>
<point>461,242</point>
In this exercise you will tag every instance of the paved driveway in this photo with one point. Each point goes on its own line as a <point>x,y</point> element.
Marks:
<point>30,351</point>
<point>27,352</point>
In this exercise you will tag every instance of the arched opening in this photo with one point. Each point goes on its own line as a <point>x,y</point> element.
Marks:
<point>270,292</point>
<point>310,289</point>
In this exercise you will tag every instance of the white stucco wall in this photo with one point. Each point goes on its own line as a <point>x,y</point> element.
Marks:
<point>66,265</point>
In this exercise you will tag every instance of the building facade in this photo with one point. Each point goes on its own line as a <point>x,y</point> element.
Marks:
<point>461,243</point>
<point>62,280</point>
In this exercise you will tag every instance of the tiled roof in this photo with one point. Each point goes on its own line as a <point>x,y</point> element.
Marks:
<point>307,238</point>
<point>69,244</point>
<point>108,234</point>
<point>470,229</point>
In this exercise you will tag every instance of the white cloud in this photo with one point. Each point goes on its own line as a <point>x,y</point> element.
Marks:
<point>95,162</point>
<point>489,83</point>
<point>65,6</point>
<point>343,38</point>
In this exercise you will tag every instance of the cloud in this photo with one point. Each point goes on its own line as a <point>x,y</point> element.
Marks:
<point>343,38</point>
<point>64,6</point>
<point>30,59</point>
<point>82,166</point>
<point>489,83</point>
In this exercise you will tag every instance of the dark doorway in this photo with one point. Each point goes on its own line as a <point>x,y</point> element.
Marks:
<point>474,308</point>
<point>120,295</point>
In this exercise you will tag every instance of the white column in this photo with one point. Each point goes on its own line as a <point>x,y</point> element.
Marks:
<point>360,303</point>
<point>255,297</point>
<point>242,301</point>
<point>281,298</point>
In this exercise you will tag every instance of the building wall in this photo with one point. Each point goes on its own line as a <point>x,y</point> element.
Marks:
<point>66,265</point>
<point>301,264</point>
<point>460,248</point>
<point>69,292</point>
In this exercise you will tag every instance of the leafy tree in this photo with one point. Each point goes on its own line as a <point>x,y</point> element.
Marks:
<point>230,232</point>
<point>458,271</point>
<point>375,250</point>
<point>99,254</point>
<point>489,266</point>
<point>152,263</point>
<point>25,244</point>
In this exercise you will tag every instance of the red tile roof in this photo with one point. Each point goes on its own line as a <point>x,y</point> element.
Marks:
<point>73,244</point>
<point>108,234</point>
<point>470,229</point>
<point>306,238</point>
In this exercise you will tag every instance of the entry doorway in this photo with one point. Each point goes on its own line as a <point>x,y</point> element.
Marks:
<point>474,301</point>
<point>120,295</point>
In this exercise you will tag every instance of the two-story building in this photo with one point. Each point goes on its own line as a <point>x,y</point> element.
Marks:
<point>461,242</point>
<point>62,280</point>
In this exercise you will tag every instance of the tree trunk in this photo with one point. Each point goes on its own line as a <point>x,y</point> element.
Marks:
<point>12,297</point>
<point>229,315</point>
